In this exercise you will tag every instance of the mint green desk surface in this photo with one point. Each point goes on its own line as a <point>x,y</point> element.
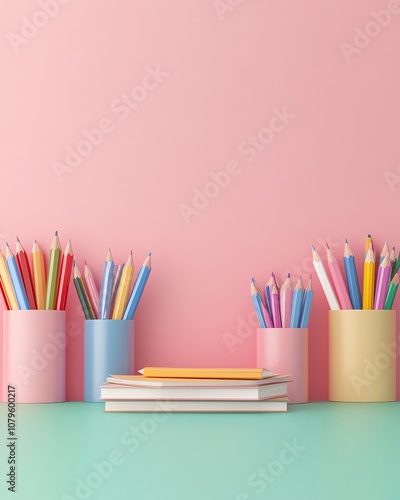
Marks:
<point>315,451</point>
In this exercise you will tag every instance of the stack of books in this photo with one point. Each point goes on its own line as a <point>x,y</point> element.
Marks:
<point>176,390</point>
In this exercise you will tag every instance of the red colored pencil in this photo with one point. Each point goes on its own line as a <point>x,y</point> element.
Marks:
<point>26,274</point>
<point>65,277</point>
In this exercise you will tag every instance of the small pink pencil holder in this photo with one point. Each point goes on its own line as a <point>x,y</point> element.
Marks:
<point>285,351</point>
<point>34,355</point>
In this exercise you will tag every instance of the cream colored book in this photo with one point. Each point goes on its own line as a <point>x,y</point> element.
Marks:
<point>140,380</point>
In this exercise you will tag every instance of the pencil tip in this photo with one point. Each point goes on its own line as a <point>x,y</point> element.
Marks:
<point>56,233</point>
<point>345,240</point>
<point>17,238</point>
<point>85,262</point>
<point>327,246</point>
<point>313,247</point>
<point>150,253</point>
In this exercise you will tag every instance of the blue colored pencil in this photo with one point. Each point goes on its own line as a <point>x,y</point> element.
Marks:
<point>16,280</point>
<point>138,288</point>
<point>256,297</point>
<point>296,304</point>
<point>106,287</point>
<point>306,306</point>
<point>351,277</point>
<point>268,295</point>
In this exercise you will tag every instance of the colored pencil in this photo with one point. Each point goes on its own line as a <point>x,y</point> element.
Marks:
<point>306,305</point>
<point>16,279</point>
<point>206,373</point>
<point>91,289</point>
<point>324,280</point>
<point>39,276</point>
<point>268,295</point>
<point>394,284</point>
<point>139,287</point>
<point>267,317</point>
<point>276,313</point>
<point>369,279</point>
<point>7,283</point>
<point>397,263</point>
<point>65,277</point>
<point>385,251</point>
<point>124,289</point>
<point>53,272</point>
<point>116,281</point>
<point>338,280</point>
<point>393,261</point>
<point>82,294</point>
<point>351,277</point>
<point>106,287</point>
<point>286,299</point>
<point>297,304</point>
<point>382,282</point>
<point>26,274</point>
<point>256,298</point>
<point>368,242</point>
<point>4,296</point>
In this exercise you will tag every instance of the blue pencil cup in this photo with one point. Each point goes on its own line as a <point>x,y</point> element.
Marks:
<point>109,348</point>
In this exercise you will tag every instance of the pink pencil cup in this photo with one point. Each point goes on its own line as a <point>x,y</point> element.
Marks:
<point>34,355</point>
<point>285,351</point>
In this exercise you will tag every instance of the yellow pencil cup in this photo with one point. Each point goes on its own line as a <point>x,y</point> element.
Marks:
<point>362,355</point>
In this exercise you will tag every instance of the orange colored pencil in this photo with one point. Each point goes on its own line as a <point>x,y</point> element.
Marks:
<point>39,276</point>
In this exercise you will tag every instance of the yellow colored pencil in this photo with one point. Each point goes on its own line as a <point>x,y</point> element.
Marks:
<point>369,279</point>
<point>123,289</point>
<point>39,276</point>
<point>7,283</point>
<point>224,373</point>
<point>368,242</point>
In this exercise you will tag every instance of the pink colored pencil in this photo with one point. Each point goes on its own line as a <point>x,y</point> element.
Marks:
<point>92,290</point>
<point>337,277</point>
<point>382,282</point>
<point>286,299</point>
<point>276,313</point>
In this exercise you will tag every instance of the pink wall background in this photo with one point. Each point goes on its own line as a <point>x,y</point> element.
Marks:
<point>224,71</point>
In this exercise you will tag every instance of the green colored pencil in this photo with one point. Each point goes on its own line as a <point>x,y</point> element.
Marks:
<point>53,272</point>
<point>394,284</point>
<point>82,295</point>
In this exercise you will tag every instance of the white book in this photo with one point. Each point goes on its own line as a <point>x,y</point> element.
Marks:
<point>140,380</point>
<point>114,391</point>
<point>191,406</point>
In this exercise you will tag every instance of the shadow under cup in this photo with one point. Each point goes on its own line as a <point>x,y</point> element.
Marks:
<point>109,350</point>
<point>34,355</point>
